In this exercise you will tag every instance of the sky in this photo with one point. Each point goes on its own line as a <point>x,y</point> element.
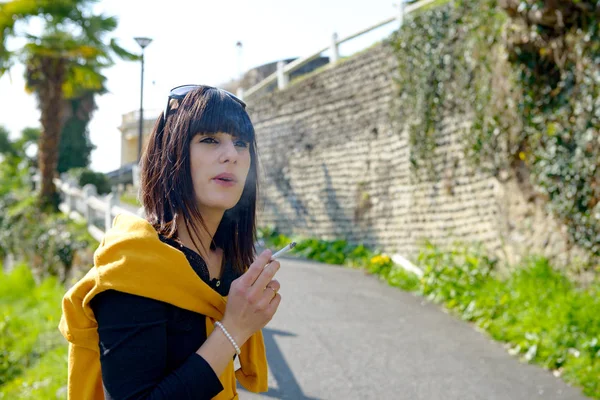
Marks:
<point>195,42</point>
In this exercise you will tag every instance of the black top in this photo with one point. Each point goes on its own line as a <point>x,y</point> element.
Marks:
<point>148,347</point>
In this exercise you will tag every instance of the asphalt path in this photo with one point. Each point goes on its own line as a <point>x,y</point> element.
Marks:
<point>341,334</point>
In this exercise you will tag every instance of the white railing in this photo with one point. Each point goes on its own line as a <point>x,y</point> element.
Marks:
<point>282,75</point>
<point>84,204</point>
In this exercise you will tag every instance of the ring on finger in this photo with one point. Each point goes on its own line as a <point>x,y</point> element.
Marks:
<point>271,285</point>
<point>273,289</point>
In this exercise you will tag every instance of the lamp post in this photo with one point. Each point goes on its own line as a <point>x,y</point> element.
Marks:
<point>239,71</point>
<point>143,42</point>
<point>240,87</point>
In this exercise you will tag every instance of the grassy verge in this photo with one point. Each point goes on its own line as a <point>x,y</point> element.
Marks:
<point>33,354</point>
<point>543,317</point>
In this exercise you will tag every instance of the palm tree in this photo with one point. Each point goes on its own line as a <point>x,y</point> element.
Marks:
<point>63,62</point>
<point>75,146</point>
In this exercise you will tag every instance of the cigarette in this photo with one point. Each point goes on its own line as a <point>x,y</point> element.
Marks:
<point>284,250</point>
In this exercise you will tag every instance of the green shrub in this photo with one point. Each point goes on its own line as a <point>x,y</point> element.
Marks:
<point>359,256</point>
<point>401,278</point>
<point>453,277</point>
<point>48,242</point>
<point>86,176</point>
<point>331,252</point>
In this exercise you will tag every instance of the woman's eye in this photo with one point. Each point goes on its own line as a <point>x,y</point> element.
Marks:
<point>241,143</point>
<point>208,140</point>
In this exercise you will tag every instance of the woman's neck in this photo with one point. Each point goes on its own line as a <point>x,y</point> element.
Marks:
<point>199,238</point>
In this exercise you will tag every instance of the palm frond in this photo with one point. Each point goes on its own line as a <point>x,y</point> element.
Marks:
<point>122,53</point>
<point>6,59</point>
<point>82,79</point>
<point>20,10</point>
<point>99,24</point>
<point>85,52</point>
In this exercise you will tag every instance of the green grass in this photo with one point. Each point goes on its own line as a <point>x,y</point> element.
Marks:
<point>33,360</point>
<point>45,380</point>
<point>129,199</point>
<point>545,318</point>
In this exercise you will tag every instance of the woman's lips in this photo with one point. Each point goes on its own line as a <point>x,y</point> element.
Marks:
<point>224,183</point>
<point>226,176</point>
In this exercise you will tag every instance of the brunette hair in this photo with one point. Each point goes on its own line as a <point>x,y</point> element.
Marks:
<point>166,187</point>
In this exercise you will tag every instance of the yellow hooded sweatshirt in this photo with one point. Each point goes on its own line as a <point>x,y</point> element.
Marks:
<point>132,259</point>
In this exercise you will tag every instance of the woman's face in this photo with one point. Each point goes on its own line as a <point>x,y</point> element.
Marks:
<point>219,167</point>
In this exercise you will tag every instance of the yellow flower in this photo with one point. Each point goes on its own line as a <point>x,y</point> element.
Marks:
<point>380,259</point>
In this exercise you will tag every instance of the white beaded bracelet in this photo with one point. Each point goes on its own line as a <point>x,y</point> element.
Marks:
<point>220,325</point>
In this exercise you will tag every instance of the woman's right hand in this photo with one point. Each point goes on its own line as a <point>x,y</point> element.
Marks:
<point>253,299</point>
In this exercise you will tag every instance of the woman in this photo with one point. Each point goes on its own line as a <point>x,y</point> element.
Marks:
<point>171,301</point>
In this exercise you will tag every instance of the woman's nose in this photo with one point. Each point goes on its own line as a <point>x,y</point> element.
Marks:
<point>229,153</point>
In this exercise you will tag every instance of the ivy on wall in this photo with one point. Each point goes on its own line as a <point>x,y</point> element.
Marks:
<point>530,90</point>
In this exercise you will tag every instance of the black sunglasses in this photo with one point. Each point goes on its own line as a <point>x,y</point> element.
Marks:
<point>179,92</point>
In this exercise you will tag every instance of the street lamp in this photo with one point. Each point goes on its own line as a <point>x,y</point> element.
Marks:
<point>240,82</point>
<point>143,42</point>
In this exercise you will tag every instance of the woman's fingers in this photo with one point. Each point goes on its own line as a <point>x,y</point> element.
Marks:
<point>274,304</point>
<point>274,284</point>
<point>270,291</point>
<point>253,297</point>
<point>265,277</point>
<point>256,268</point>
<point>269,296</point>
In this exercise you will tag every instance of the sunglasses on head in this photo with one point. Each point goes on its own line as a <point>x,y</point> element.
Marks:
<point>179,92</point>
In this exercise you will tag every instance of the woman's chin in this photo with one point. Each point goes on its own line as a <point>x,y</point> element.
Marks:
<point>219,204</point>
